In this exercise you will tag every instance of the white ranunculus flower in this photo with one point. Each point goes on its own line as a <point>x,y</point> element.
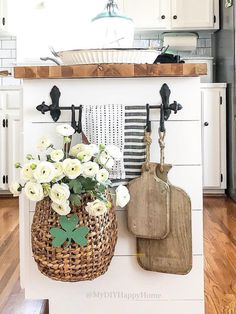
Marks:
<point>114,152</point>
<point>43,143</point>
<point>58,171</point>
<point>27,172</point>
<point>45,172</point>
<point>57,155</point>
<point>122,196</point>
<point>96,208</point>
<point>34,191</point>
<point>63,209</point>
<point>15,188</point>
<point>72,168</point>
<point>86,154</point>
<point>110,163</point>
<point>65,130</point>
<point>106,160</point>
<point>90,169</point>
<point>102,175</point>
<point>76,149</point>
<point>94,148</point>
<point>59,193</point>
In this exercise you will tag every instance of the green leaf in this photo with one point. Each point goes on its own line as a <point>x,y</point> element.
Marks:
<point>69,224</point>
<point>76,186</point>
<point>101,188</point>
<point>79,236</point>
<point>88,184</point>
<point>59,235</point>
<point>75,199</point>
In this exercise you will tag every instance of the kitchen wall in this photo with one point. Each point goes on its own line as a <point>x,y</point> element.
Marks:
<point>152,39</point>
<point>7,59</point>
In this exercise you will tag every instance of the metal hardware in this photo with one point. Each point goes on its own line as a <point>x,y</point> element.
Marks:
<point>165,107</point>
<point>206,124</point>
<point>221,177</point>
<point>3,123</point>
<point>228,3</point>
<point>55,109</point>
<point>6,123</point>
<point>214,19</point>
<point>3,21</point>
<point>221,100</point>
<point>175,17</point>
<point>163,17</point>
<point>4,179</point>
<point>5,73</point>
<point>50,59</point>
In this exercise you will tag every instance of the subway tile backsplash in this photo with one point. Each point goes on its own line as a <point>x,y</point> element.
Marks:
<point>8,59</point>
<point>153,40</point>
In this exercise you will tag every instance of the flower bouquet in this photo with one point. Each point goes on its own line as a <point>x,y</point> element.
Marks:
<point>74,229</point>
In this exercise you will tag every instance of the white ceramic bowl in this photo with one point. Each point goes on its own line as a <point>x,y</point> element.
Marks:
<point>97,56</point>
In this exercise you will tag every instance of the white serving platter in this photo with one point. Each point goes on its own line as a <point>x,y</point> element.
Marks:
<point>116,55</point>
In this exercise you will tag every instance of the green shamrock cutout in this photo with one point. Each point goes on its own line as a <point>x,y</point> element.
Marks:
<point>70,232</point>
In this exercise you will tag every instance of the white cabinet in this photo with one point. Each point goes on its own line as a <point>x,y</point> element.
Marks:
<point>3,17</point>
<point>191,14</point>
<point>149,13</point>
<point>214,136</point>
<point>173,14</point>
<point>10,130</point>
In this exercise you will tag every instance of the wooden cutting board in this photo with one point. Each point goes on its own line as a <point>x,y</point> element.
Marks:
<point>173,254</point>
<point>148,209</point>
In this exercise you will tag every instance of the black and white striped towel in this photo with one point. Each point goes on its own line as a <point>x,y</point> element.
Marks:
<point>135,148</point>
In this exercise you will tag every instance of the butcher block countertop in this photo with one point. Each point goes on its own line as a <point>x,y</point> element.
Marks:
<point>110,70</point>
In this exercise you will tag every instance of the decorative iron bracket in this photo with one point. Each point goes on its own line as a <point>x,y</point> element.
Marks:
<point>55,109</point>
<point>166,108</point>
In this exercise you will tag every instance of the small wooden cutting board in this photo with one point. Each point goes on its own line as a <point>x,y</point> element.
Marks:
<point>174,253</point>
<point>148,209</point>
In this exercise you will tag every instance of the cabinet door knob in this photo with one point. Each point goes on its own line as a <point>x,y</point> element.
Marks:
<point>206,124</point>
<point>163,17</point>
<point>3,21</point>
<point>175,17</point>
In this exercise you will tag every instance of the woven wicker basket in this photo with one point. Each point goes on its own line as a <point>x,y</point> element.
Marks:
<point>74,263</point>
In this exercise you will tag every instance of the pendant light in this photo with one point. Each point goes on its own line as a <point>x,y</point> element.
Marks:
<point>112,29</point>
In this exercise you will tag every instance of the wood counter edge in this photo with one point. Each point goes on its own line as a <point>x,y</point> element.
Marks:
<point>111,71</point>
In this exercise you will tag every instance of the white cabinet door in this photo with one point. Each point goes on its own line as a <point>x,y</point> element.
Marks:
<point>191,14</point>
<point>149,14</point>
<point>13,147</point>
<point>211,138</point>
<point>3,153</point>
<point>3,16</point>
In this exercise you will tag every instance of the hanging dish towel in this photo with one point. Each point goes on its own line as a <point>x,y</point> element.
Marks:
<point>135,148</point>
<point>106,124</point>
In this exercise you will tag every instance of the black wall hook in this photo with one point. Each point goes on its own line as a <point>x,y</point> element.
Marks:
<point>55,109</point>
<point>166,108</point>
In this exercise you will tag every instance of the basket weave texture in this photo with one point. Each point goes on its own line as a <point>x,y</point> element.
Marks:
<point>74,263</point>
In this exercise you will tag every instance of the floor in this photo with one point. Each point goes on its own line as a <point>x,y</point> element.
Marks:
<point>12,299</point>
<point>220,255</point>
<point>220,259</point>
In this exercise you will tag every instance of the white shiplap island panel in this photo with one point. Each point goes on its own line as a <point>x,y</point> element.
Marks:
<point>125,288</point>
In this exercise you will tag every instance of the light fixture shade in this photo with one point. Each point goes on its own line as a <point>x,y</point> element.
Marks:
<point>112,29</point>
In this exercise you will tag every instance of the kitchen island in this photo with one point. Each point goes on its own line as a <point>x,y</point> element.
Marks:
<point>126,287</point>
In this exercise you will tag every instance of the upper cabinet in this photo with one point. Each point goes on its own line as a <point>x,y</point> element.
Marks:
<point>173,14</point>
<point>148,13</point>
<point>3,17</point>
